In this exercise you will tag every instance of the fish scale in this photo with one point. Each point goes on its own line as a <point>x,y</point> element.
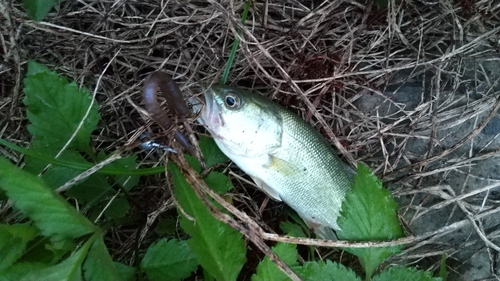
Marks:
<point>287,158</point>
<point>317,189</point>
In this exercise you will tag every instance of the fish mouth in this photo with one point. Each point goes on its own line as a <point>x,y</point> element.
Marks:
<point>207,108</point>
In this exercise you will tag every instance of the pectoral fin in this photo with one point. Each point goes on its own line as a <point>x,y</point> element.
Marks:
<point>278,166</point>
<point>281,166</point>
<point>267,189</point>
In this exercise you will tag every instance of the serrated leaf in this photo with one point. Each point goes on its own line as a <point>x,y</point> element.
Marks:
<point>268,270</point>
<point>219,248</point>
<point>211,152</point>
<point>218,182</point>
<point>312,271</point>
<point>69,269</point>
<point>98,264</point>
<point>169,260</point>
<point>369,214</point>
<point>292,229</point>
<point>13,241</point>
<point>51,214</point>
<point>56,108</point>
<point>38,9</point>
<point>295,218</point>
<point>405,274</point>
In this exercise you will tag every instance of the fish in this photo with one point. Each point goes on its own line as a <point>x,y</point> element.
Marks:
<point>285,156</point>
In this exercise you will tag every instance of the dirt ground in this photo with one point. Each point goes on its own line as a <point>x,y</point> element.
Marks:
<point>410,89</point>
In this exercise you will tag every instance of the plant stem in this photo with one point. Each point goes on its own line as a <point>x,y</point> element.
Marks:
<point>235,45</point>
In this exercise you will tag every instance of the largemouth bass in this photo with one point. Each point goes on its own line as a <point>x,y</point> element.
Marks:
<point>285,156</point>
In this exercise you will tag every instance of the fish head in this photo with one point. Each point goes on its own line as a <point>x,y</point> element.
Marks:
<point>241,122</point>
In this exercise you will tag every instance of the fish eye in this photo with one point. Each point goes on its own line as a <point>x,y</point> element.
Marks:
<point>232,100</point>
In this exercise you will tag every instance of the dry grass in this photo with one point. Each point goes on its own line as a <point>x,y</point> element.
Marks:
<point>346,66</point>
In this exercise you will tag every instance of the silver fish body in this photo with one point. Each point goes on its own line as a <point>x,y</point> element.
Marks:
<point>287,158</point>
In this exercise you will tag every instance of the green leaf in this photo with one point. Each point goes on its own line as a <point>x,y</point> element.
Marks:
<point>47,251</point>
<point>129,163</point>
<point>13,241</point>
<point>38,9</point>
<point>442,269</point>
<point>56,108</point>
<point>295,218</point>
<point>51,214</point>
<point>117,209</point>
<point>193,162</point>
<point>292,229</point>
<point>91,190</point>
<point>59,248</point>
<point>96,187</point>
<point>405,274</point>
<point>166,226</point>
<point>219,182</point>
<point>169,260</point>
<point>126,273</point>
<point>268,270</point>
<point>77,166</point>
<point>211,152</point>
<point>234,48</point>
<point>98,264</point>
<point>19,270</point>
<point>69,269</point>
<point>327,271</point>
<point>369,214</point>
<point>55,175</point>
<point>219,248</point>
